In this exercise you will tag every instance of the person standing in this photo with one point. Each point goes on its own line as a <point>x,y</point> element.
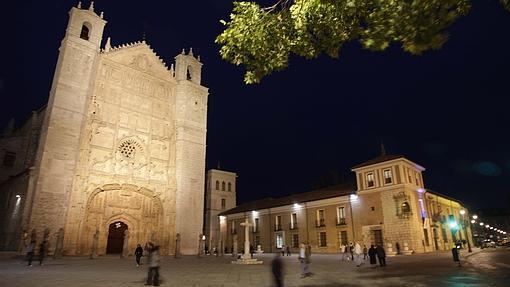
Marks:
<point>283,250</point>
<point>304,259</point>
<point>277,269</point>
<point>138,254</point>
<point>30,252</point>
<point>351,250</point>
<point>358,251</point>
<point>372,253</point>
<point>153,275</point>
<point>365,252</point>
<point>288,250</point>
<point>381,255</point>
<point>42,252</point>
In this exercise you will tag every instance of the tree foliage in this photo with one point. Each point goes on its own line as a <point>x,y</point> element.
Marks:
<point>262,38</point>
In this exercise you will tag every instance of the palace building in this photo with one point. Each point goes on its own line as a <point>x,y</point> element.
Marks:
<point>389,205</point>
<point>119,150</point>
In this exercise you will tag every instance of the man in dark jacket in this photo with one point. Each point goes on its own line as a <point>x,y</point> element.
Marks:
<point>381,255</point>
<point>372,253</point>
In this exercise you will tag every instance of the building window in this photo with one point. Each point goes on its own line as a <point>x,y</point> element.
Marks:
<point>188,74</point>
<point>370,179</point>
<point>409,176</point>
<point>279,240</point>
<point>278,222</point>
<point>405,207</point>
<point>229,186</point>
<point>85,31</point>
<point>295,240</point>
<point>443,233</point>
<point>340,215</point>
<point>322,239</point>
<point>320,218</point>
<point>426,235</point>
<point>256,225</point>
<point>223,186</point>
<point>342,236</point>
<point>387,176</point>
<point>417,179</point>
<point>9,159</point>
<point>217,185</point>
<point>233,227</point>
<point>293,221</point>
<point>223,203</point>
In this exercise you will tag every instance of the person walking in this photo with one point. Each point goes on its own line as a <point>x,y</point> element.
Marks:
<point>283,250</point>
<point>351,250</point>
<point>42,252</point>
<point>30,252</point>
<point>288,250</point>
<point>304,259</point>
<point>381,255</point>
<point>277,269</point>
<point>372,253</point>
<point>153,275</point>
<point>358,251</point>
<point>138,254</point>
<point>365,252</point>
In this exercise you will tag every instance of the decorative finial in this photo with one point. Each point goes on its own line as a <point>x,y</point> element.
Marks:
<point>191,52</point>
<point>383,150</point>
<point>143,37</point>
<point>183,52</point>
<point>108,45</point>
<point>198,58</point>
<point>219,167</point>
<point>79,5</point>
<point>102,15</point>
<point>91,7</point>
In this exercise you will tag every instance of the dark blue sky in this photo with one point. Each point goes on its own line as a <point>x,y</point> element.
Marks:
<point>447,110</point>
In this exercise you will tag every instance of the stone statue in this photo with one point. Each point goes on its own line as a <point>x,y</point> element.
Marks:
<point>95,242</point>
<point>60,243</point>
<point>177,246</point>
<point>125,247</point>
<point>200,245</point>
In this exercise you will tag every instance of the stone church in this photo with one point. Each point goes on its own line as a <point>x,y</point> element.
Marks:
<point>119,150</point>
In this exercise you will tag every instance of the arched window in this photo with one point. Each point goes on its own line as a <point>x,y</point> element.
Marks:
<point>405,207</point>
<point>85,31</point>
<point>223,186</point>
<point>229,186</point>
<point>188,74</point>
<point>217,185</point>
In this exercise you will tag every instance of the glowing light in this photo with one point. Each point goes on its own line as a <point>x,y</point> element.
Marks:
<point>297,206</point>
<point>462,212</point>
<point>453,225</point>
<point>481,223</point>
<point>353,197</point>
<point>421,190</point>
<point>491,228</point>
<point>222,218</point>
<point>203,237</point>
<point>18,196</point>
<point>254,213</point>
<point>475,216</point>
<point>473,221</point>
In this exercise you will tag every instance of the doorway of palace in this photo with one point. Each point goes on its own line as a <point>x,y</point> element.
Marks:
<point>116,237</point>
<point>378,238</point>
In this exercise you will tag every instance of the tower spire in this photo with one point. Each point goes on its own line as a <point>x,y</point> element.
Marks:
<point>108,45</point>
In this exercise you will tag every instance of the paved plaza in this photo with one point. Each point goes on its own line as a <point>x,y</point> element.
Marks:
<point>481,268</point>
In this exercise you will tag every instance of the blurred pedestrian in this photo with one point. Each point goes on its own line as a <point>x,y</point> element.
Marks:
<point>153,275</point>
<point>30,252</point>
<point>277,269</point>
<point>358,251</point>
<point>365,252</point>
<point>304,259</point>
<point>138,254</point>
<point>283,250</point>
<point>397,245</point>
<point>252,250</point>
<point>372,253</point>
<point>42,252</point>
<point>351,250</point>
<point>288,250</point>
<point>381,255</point>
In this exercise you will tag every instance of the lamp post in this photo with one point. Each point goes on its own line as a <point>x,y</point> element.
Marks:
<point>464,225</point>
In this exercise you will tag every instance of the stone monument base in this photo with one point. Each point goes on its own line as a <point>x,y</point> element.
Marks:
<point>247,261</point>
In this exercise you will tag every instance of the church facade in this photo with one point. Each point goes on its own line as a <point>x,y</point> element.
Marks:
<point>118,151</point>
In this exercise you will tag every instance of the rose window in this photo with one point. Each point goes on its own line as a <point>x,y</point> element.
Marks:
<point>128,149</point>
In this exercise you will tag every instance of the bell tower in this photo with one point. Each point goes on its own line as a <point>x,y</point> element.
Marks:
<point>51,182</point>
<point>191,123</point>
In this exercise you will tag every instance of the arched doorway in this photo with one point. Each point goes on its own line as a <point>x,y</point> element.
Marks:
<point>116,237</point>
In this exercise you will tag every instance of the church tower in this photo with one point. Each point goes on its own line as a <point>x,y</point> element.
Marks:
<point>51,182</point>
<point>220,195</point>
<point>191,122</point>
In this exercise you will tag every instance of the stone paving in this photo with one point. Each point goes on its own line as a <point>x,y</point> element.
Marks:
<point>485,268</point>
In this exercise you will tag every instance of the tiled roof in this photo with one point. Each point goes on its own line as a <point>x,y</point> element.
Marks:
<point>324,193</point>
<point>381,158</point>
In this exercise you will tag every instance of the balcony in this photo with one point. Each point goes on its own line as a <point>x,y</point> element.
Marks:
<point>293,226</point>
<point>278,227</point>
<point>341,221</point>
<point>320,222</point>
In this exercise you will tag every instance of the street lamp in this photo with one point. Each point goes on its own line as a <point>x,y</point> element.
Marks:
<point>475,216</point>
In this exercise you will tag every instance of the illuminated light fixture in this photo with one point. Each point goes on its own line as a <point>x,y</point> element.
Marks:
<point>481,223</point>
<point>473,221</point>
<point>222,217</point>
<point>353,197</point>
<point>462,212</point>
<point>18,196</point>
<point>487,226</point>
<point>421,190</point>
<point>453,225</point>
<point>254,213</point>
<point>203,237</point>
<point>491,228</point>
<point>475,216</point>
<point>297,206</point>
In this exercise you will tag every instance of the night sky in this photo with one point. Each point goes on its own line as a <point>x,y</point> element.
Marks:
<point>447,110</point>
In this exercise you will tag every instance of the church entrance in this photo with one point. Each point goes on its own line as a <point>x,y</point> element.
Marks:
<point>116,237</point>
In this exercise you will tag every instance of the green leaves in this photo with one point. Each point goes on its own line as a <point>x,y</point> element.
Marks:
<point>261,39</point>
